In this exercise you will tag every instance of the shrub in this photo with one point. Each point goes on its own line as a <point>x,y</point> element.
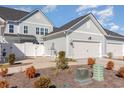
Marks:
<point>91,61</point>
<point>56,72</point>
<point>4,72</point>
<point>52,86</point>
<point>110,55</point>
<point>4,84</point>
<point>11,59</point>
<point>30,72</point>
<point>123,58</point>
<point>70,59</point>
<point>61,61</point>
<point>110,65</point>
<point>121,72</point>
<point>42,82</point>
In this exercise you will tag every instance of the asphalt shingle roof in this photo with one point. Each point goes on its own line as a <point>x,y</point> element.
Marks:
<point>110,34</point>
<point>68,25</point>
<point>11,14</point>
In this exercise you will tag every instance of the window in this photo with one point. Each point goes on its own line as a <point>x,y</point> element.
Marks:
<point>11,28</point>
<point>46,31</point>
<point>42,31</point>
<point>37,30</point>
<point>25,29</point>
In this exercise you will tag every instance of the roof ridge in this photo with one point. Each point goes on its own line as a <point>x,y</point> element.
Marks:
<point>14,9</point>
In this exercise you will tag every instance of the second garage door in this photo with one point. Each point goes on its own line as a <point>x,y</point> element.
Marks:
<point>115,49</point>
<point>86,49</point>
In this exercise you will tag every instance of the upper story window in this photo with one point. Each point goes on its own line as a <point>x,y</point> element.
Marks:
<point>46,31</point>
<point>11,28</point>
<point>25,29</point>
<point>42,31</point>
<point>37,30</point>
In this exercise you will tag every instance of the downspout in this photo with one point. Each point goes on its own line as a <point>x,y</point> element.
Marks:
<point>66,37</point>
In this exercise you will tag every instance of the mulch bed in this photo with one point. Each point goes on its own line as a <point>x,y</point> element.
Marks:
<point>20,80</point>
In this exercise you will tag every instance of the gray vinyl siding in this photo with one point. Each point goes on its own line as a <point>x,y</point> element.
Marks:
<point>32,29</point>
<point>36,20</point>
<point>86,30</point>
<point>59,44</point>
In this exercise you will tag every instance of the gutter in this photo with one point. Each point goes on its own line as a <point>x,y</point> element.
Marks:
<point>64,31</point>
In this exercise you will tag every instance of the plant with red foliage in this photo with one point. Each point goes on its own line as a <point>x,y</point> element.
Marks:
<point>110,65</point>
<point>121,72</point>
<point>91,61</point>
<point>4,84</point>
<point>30,72</point>
<point>3,72</point>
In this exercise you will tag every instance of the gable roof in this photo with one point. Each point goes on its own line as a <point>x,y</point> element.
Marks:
<point>110,34</point>
<point>11,14</point>
<point>68,25</point>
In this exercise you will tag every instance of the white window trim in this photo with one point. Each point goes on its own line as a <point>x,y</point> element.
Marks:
<point>25,29</point>
<point>9,28</point>
<point>38,31</point>
<point>43,31</point>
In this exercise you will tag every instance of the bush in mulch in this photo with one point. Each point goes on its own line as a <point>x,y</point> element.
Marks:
<point>121,72</point>
<point>4,84</point>
<point>11,59</point>
<point>3,72</point>
<point>91,61</point>
<point>31,72</point>
<point>43,82</point>
<point>110,65</point>
<point>61,62</point>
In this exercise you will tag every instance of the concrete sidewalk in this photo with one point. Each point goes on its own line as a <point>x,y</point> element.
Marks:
<point>46,62</point>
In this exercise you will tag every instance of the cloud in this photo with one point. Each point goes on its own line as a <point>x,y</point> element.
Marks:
<point>28,9</point>
<point>114,27</point>
<point>105,15</point>
<point>49,8</point>
<point>84,7</point>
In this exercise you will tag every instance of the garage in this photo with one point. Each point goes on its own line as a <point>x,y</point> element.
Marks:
<point>115,49</point>
<point>86,49</point>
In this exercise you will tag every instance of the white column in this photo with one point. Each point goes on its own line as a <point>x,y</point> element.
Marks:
<point>123,50</point>
<point>67,44</point>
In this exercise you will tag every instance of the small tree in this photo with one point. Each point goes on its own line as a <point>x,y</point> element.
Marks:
<point>11,59</point>
<point>42,82</point>
<point>61,61</point>
<point>110,55</point>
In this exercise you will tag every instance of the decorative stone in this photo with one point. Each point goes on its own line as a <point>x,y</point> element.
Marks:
<point>66,85</point>
<point>98,72</point>
<point>82,75</point>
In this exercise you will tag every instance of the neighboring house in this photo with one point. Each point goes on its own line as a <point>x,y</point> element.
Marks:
<point>84,37</point>
<point>20,26</point>
<point>81,38</point>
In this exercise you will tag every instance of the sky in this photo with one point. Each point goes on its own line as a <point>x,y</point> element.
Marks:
<point>110,16</point>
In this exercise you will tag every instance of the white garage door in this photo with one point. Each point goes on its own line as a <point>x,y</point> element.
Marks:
<point>85,50</point>
<point>116,49</point>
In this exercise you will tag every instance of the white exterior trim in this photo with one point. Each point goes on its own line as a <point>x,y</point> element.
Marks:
<point>100,50</point>
<point>123,50</point>
<point>67,42</point>
<point>37,24</point>
<point>87,33</point>
<point>32,13</point>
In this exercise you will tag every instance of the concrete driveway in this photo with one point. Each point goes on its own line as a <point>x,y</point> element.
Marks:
<point>45,62</point>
